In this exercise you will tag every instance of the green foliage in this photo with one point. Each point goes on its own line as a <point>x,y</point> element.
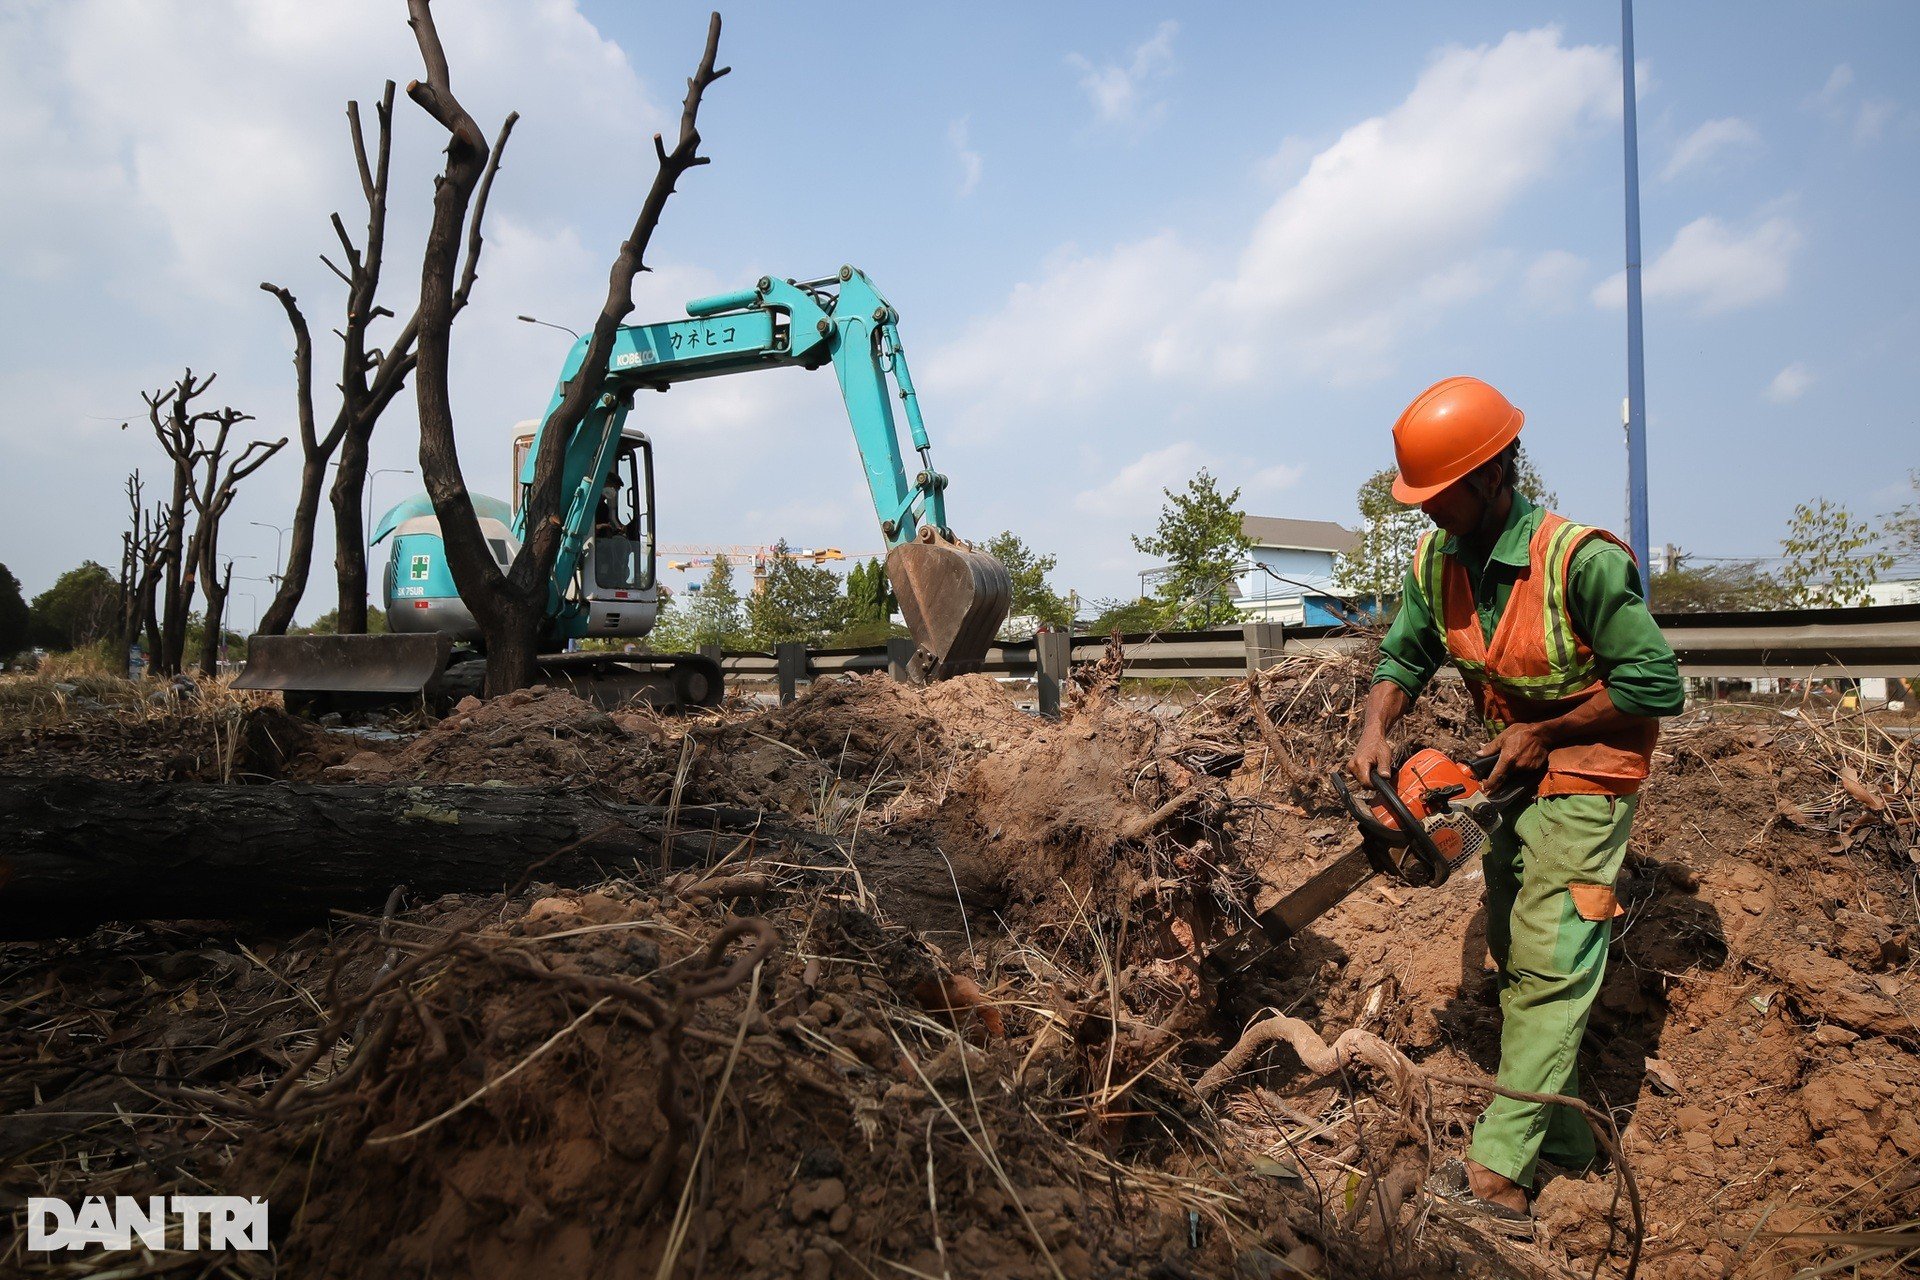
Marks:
<point>796,602</point>
<point>1033,600</point>
<point>80,608</point>
<point>715,614</point>
<point>328,624</point>
<point>16,620</point>
<point>1903,525</point>
<point>1832,559</point>
<point>1127,616</point>
<point>1389,534</point>
<point>1528,480</point>
<point>672,630</point>
<point>1738,586</point>
<point>197,638</point>
<point>1201,536</point>
<point>866,633</point>
<point>1390,531</point>
<point>869,594</point>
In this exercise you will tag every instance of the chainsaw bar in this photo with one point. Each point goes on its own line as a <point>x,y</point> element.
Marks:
<point>1281,922</point>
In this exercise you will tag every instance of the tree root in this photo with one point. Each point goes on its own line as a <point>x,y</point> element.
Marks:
<point>1412,1084</point>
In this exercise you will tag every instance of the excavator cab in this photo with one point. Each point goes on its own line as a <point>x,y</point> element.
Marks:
<point>615,581</point>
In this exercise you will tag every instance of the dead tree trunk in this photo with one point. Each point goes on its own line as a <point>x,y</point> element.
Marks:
<point>174,424</point>
<point>510,605</point>
<point>82,851</point>
<point>370,378</point>
<point>145,556</point>
<point>212,494</point>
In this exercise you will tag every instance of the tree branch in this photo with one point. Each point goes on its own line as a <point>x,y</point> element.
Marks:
<point>543,527</point>
<point>302,365</point>
<point>468,272</point>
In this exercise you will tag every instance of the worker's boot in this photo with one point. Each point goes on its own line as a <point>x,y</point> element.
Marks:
<point>1496,1188</point>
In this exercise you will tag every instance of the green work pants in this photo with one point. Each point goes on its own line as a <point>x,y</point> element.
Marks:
<point>1549,875</point>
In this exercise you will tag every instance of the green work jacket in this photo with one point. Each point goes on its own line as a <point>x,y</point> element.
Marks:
<point>1604,596</point>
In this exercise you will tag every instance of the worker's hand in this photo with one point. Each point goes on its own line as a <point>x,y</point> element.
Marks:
<point>1373,753</point>
<point>1522,748</point>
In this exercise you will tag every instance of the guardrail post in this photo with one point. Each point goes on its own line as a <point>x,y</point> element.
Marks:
<point>790,663</point>
<point>900,651</point>
<point>1053,658</point>
<point>1266,641</point>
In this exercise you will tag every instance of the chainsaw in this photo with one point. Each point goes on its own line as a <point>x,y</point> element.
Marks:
<point>1431,819</point>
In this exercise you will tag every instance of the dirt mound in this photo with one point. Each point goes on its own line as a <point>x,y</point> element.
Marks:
<point>533,737</point>
<point>1051,812</point>
<point>852,745</point>
<point>585,1082</point>
<point>177,740</point>
<point>574,1073</point>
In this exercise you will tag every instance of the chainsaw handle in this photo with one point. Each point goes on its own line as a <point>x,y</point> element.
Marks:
<point>1407,834</point>
<point>1362,813</point>
<point>1482,766</point>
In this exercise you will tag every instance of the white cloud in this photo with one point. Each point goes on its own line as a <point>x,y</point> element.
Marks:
<point>1837,101</point>
<point>1377,238</point>
<point>1136,488</point>
<point>154,161</point>
<point>1711,268</point>
<point>970,161</point>
<point>1872,119</point>
<point>1273,479</point>
<point>1711,142</point>
<point>1119,93</point>
<point>1789,384</point>
<point>1552,280</point>
<point>1827,98</point>
<point>1077,328</point>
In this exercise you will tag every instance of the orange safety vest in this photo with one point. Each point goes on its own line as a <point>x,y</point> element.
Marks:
<point>1537,665</point>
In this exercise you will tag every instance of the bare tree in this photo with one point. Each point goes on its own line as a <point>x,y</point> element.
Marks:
<point>212,493</point>
<point>186,559</point>
<point>169,411</point>
<point>370,378</point>
<point>142,557</point>
<point>510,604</point>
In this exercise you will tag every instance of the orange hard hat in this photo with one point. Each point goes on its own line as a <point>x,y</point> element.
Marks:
<point>1450,428</point>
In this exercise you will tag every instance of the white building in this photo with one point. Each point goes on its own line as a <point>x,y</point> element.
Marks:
<point>1288,577</point>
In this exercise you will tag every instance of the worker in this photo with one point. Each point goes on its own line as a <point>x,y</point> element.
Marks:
<point>1548,624</point>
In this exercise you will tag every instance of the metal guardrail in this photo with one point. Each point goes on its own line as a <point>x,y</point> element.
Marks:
<point>1799,644</point>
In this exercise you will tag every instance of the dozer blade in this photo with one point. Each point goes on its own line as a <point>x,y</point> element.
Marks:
<point>392,663</point>
<point>954,599</point>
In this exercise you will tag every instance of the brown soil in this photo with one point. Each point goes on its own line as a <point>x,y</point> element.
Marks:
<point>1757,1040</point>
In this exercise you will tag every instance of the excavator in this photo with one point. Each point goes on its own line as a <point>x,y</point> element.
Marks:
<point>603,586</point>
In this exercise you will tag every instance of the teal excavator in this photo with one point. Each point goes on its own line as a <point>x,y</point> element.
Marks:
<point>952,597</point>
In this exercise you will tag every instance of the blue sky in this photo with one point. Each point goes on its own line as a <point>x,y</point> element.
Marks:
<point>1126,241</point>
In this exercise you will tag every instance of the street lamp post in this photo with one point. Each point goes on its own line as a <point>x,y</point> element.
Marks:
<point>1639,537</point>
<point>221,639</point>
<point>367,529</point>
<point>280,565</point>
<point>547,324</point>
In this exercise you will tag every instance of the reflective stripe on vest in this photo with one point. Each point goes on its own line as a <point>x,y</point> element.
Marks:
<point>1570,664</point>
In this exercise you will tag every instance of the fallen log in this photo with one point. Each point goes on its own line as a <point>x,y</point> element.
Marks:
<point>78,852</point>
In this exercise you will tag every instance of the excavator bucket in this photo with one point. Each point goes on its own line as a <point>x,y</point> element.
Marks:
<point>954,599</point>
<point>383,664</point>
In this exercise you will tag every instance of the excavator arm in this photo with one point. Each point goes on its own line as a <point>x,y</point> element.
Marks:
<point>952,596</point>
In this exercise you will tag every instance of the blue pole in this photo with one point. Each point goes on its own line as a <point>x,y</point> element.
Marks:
<point>1637,533</point>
